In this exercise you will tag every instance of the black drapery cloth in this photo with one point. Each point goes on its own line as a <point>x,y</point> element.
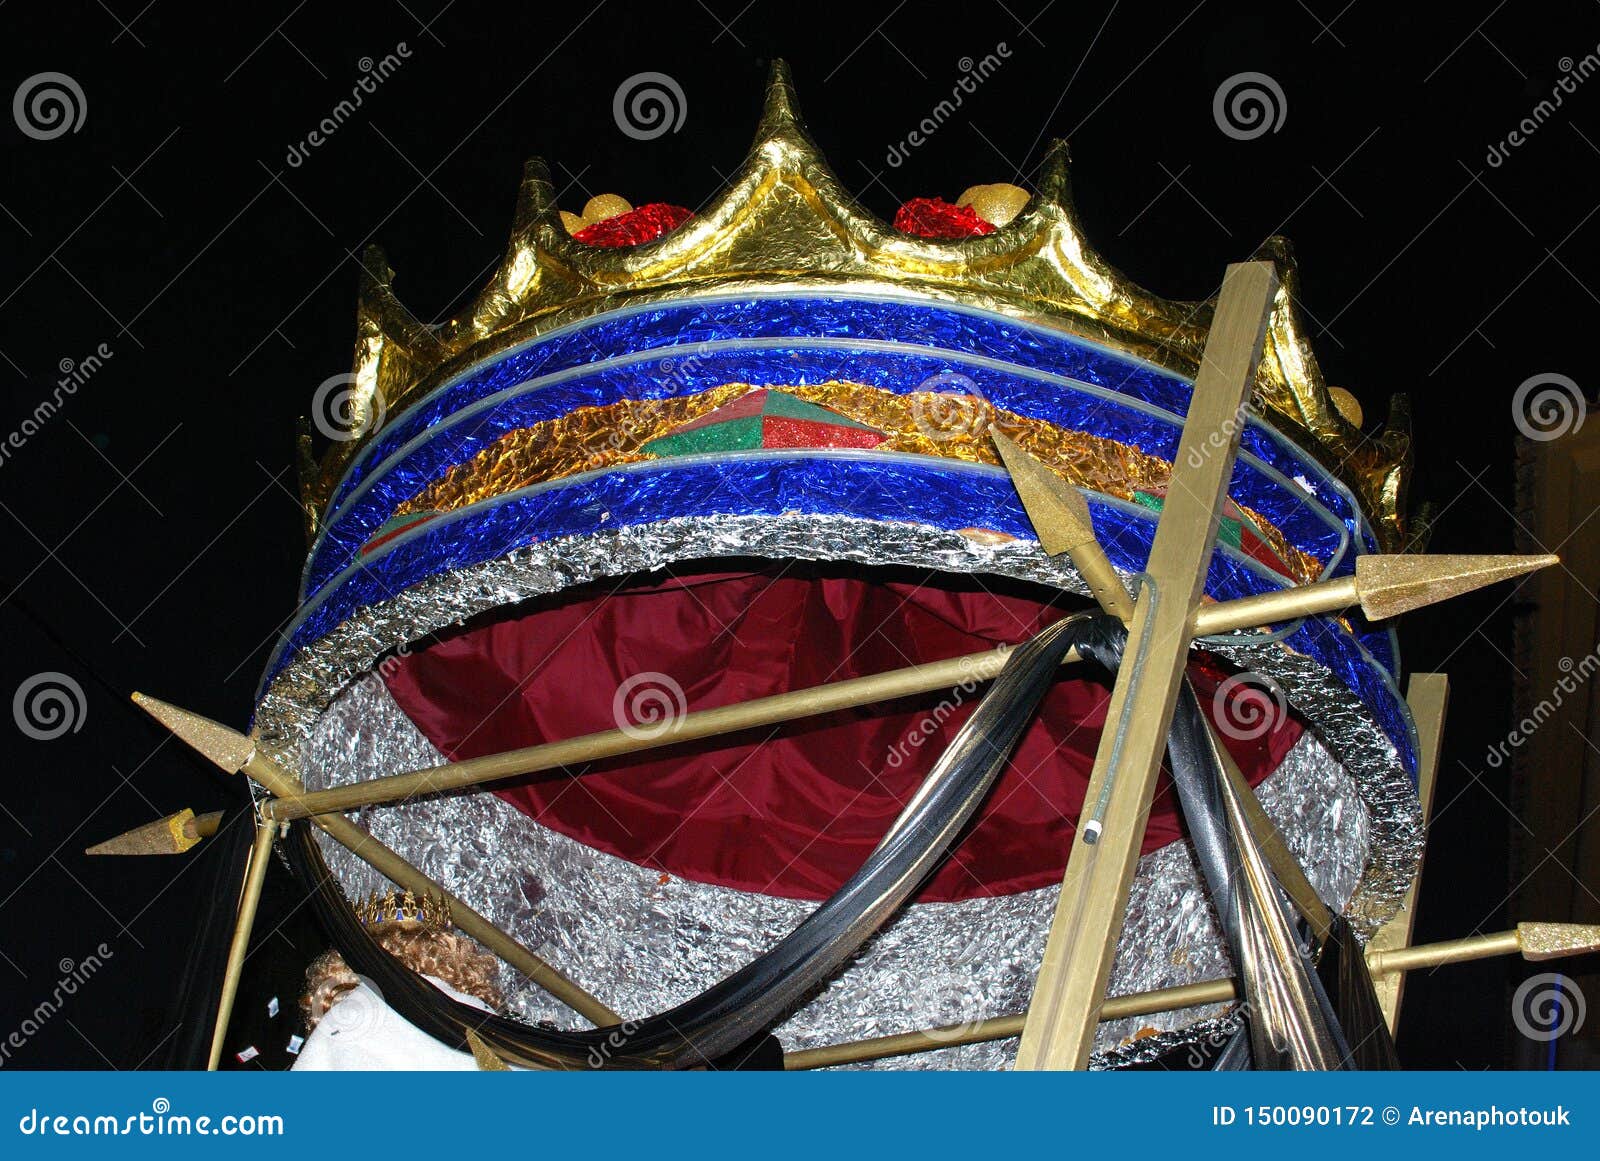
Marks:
<point>198,989</point>
<point>1343,968</point>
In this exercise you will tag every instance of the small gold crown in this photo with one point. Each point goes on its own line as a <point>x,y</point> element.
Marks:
<point>383,911</point>
<point>785,220</point>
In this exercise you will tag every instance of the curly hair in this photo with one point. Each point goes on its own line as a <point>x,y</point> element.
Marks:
<point>434,951</point>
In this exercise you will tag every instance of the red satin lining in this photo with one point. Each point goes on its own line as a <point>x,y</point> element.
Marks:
<point>791,811</point>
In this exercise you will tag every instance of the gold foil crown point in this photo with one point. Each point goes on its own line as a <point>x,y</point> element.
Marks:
<point>786,223</point>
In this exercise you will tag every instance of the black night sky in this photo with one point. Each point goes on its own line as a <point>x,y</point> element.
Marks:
<point>152,538</point>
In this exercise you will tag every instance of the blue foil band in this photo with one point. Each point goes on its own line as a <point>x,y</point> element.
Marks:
<point>944,494</point>
<point>1314,515</point>
<point>712,319</point>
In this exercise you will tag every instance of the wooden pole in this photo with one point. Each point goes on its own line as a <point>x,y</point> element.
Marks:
<point>255,876</point>
<point>1428,695</point>
<point>1071,988</point>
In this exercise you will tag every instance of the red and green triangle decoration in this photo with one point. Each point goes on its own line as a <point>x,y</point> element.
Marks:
<point>1236,530</point>
<point>764,419</point>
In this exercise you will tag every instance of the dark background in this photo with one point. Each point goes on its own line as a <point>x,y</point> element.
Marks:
<point>151,536</point>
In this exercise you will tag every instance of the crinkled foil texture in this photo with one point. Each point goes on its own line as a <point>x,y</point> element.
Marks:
<point>1351,811</point>
<point>919,423</point>
<point>644,945</point>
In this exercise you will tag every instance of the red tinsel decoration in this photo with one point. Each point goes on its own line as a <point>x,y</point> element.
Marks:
<point>645,224</point>
<point>937,218</point>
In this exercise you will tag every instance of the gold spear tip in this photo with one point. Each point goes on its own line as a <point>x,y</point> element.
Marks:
<point>486,1058</point>
<point>172,835</point>
<point>1554,940</point>
<point>1058,512</point>
<point>226,747</point>
<point>1393,584</point>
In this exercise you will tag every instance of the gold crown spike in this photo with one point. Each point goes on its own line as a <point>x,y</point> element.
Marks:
<point>786,222</point>
<point>381,911</point>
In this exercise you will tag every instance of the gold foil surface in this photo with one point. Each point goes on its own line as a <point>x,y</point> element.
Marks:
<point>920,423</point>
<point>786,224</point>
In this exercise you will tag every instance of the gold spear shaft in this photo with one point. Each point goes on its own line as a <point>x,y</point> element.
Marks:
<point>1448,575</point>
<point>763,711</point>
<point>255,876</point>
<point>1535,941</point>
<point>236,753</point>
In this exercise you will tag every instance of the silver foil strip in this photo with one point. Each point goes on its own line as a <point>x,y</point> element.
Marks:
<point>643,945</point>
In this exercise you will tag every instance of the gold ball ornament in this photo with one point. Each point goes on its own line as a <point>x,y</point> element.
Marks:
<point>996,204</point>
<point>603,206</point>
<point>1346,405</point>
<point>572,222</point>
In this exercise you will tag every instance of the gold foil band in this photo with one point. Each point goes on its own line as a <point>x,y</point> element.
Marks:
<point>921,423</point>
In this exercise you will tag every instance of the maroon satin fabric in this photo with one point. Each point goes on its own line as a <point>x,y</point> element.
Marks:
<point>794,810</point>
